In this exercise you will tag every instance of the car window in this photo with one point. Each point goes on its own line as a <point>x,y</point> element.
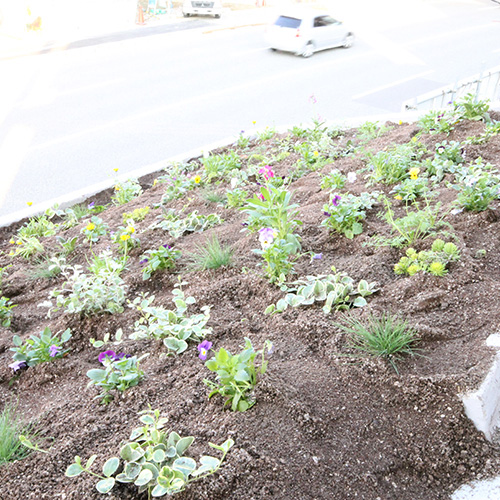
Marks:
<point>324,21</point>
<point>287,22</point>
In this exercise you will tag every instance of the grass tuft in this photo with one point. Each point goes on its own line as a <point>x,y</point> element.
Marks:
<point>211,255</point>
<point>387,336</point>
<point>11,426</point>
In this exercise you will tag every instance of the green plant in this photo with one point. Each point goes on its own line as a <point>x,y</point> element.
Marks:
<point>237,375</point>
<point>345,213</point>
<point>6,307</point>
<point>41,349</point>
<point>174,327</point>
<point>176,227</point>
<point>3,272</point>
<point>411,189</point>
<point>211,255</point>
<point>156,260</point>
<point>94,229</point>
<point>136,215</point>
<point>153,460</point>
<point>126,191</point>
<point>243,140</point>
<point>419,224</point>
<point>266,134</point>
<point>37,227</point>
<point>11,430</point>
<point>68,245</point>
<point>386,336</point>
<point>119,373</point>
<point>27,247</point>
<point>371,130</point>
<point>44,268</point>
<point>394,165</point>
<point>333,180</point>
<point>126,238</point>
<point>219,166</point>
<point>335,290</point>
<point>436,122</point>
<point>470,108</point>
<point>478,184</point>
<point>236,197</point>
<point>101,290</point>
<point>433,261</point>
<point>272,208</point>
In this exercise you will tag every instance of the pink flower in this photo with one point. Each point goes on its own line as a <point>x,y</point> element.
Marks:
<point>266,172</point>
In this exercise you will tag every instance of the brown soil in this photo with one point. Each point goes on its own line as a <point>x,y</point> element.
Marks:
<point>326,425</point>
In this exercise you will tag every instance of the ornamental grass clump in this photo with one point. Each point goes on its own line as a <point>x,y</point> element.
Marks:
<point>212,255</point>
<point>153,460</point>
<point>387,337</point>
<point>237,374</point>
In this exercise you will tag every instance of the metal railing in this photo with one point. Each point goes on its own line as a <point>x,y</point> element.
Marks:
<point>485,85</point>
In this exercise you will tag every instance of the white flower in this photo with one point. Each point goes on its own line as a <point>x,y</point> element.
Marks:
<point>351,177</point>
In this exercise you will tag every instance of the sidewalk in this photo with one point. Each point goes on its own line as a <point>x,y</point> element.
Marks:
<point>96,19</point>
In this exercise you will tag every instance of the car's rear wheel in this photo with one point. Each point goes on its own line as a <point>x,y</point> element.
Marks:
<point>348,40</point>
<point>217,16</point>
<point>308,50</point>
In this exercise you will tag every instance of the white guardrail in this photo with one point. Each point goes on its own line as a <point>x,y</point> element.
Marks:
<point>485,85</point>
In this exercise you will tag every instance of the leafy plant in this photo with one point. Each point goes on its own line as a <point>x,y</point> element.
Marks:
<point>392,166</point>
<point>419,224</point>
<point>95,228</point>
<point>68,245</point>
<point>101,290</point>
<point>266,134</point>
<point>236,197</point>
<point>433,261</point>
<point>194,222</point>
<point>41,349</point>
<point>153,460</point>
<point>333,180</point>
<point>386,336</point>
<point>371,130</point>
<point>156,260</point>
<point>137,215</point>
<point>27,247</point>
<point>237,375</point>
<point>126,238</point>
<point>119,373</point>
<point>436,122</point>
<point>211,255</point>
<point>478,185</point>
<point>126,191</point>
<point>336,290</point>
<point>38,227</point>
<point>6,307</point>
<point>173,326</point>
<point>345,213</point>
<point>218,166</point>
<point>470,108</point>
<point>411,189</point>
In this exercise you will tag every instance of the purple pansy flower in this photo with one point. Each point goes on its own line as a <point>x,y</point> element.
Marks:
<point>328,214</point>
<point>317,256</point>
<point>266,236</point>
<point>203,348</point>
<point>54,350</point>
<point>143,261</point>
<point>18,365</point>
<point>336,200</point>
<point>91,205</point>
<point>166,246</point>
<point>111,355</point>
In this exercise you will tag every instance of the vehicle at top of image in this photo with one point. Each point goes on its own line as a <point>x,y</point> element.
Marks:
<point>304,32</point>
<point>202,8</point>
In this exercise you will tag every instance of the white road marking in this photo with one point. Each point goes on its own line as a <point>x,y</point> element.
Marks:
<point>392,84</point>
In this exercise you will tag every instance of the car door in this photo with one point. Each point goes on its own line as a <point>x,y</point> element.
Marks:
<point>328,32</point>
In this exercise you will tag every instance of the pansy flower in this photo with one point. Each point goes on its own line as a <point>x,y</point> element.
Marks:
<point>266,236</point>
<point>18,365</point>
<point>54,350</point>
<point>203,349</point>
<point>110,355</point>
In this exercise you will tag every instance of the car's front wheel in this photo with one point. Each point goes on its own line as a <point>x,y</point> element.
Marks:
<point>348,40</point>
<point>308,50</point>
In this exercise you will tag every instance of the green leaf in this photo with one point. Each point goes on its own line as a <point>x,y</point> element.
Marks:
<point>16,340</point>
<point>132,470</point>
<point>159,456</point>
<point>210,462</point>
<point>183,444</point>
<point>147,419</point>
<point>66,336</point>
<point>359,302</point>
<point>185,465</point>
<point>73,470</point>
<point>159,491</point>
<point>242,376</point>
<point>90,461</point>
<point>144,477</point>
<point>109,468</point>
<point>105,485</point>
<point>96,375</point>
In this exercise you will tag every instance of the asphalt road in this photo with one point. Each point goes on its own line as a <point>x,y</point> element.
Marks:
<point>68,118</point>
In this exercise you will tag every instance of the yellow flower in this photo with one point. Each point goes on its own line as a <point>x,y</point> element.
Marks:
<point>398,197</point>
<point>115,170</point>
<point>131,229</point>
<point>29,203</point>
<point>197,179</point>
<point>117,188</point>
<point>401,122</point>
<point>19,242</point>
<point>90,227</point>
<point>125,237</point>
<point>11,241</point>
<point>414,173</point>
<point>316,154</point>
<point>11,253</point>
<point>254,122</point>
<point>155,182</point>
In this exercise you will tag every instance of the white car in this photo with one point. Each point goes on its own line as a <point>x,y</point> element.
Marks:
<point>202,7</point>
<point>306,32</point>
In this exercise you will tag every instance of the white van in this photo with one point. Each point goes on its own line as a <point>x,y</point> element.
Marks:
<point>202,7</point>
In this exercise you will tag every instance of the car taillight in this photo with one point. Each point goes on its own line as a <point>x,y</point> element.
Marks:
<point>297,33</point>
